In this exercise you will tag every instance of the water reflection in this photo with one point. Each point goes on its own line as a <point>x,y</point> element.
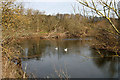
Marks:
<point>81,61</point>
<point>110,62</point>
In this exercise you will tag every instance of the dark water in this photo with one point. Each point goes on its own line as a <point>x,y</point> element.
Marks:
<point>41,59</point>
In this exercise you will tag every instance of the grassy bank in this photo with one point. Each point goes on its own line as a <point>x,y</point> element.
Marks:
<point>11,70</point>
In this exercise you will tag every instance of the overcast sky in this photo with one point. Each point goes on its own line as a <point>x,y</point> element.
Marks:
<point>53,6</point>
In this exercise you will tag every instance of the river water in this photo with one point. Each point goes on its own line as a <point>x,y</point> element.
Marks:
<point>48,58</point>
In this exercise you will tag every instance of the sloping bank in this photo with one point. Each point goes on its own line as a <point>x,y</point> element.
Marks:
<point>11,64</point>
<point>11,70</point>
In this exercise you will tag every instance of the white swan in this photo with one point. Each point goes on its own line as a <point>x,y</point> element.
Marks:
<point>56,48</point>
<point>65,49</point>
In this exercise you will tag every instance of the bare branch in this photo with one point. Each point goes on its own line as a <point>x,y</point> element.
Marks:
<point>112,8</point>
<point>103,14</point>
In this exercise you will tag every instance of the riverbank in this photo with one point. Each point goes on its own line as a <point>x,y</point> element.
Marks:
<point>50,35</point>
<point>10,65</point>
<point>115,50</point>
<point>11,70</point>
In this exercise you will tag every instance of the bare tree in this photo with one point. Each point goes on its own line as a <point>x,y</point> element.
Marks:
<point>103,8</point>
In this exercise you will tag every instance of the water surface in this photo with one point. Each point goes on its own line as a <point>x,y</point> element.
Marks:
<point>79,61</point>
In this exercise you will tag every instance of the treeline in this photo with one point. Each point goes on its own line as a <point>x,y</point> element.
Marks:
<point>17,17</point>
